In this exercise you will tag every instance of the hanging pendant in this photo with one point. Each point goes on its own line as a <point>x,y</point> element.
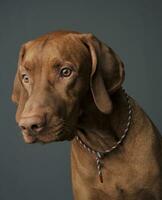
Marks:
<point>98,160</point>
<point>101,177</point>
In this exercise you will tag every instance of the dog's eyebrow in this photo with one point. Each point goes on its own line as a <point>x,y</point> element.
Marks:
<point>55,62</point>
<point>27,66</point>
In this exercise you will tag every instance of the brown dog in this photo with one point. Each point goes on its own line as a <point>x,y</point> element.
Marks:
<point>68,86</point>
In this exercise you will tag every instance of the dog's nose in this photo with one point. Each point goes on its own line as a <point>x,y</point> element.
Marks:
<point>33,125</point>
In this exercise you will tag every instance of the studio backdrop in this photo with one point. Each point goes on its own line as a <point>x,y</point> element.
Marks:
<point>132,28</point>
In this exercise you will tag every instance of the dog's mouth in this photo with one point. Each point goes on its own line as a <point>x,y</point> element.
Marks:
<point>44,138</point>
<point>50,136</point>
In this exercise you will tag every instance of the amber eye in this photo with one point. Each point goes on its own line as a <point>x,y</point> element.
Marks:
<point>65,72</point>
<point>25,78</point>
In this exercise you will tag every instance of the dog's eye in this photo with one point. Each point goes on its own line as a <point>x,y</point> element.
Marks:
<point>65,72</point>
<point>25,78</point>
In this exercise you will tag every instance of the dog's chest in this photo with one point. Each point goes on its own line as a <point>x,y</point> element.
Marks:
<point>121,179</point>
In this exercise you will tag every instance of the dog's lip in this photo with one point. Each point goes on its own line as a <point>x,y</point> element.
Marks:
<point>56,133</point>
<point>28,138</point>
<point>49,137</point>
<point>44,137</point>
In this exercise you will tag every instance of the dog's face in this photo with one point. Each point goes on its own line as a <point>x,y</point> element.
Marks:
<point>54,75</point>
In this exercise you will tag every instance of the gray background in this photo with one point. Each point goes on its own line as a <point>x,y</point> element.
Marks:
<point>132,28</point>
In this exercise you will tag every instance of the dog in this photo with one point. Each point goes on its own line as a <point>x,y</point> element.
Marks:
<point>68,86</point>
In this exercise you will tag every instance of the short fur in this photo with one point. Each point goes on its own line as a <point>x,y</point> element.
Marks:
<point>90,103</point>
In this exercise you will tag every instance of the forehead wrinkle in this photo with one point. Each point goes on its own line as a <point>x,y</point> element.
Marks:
<point>44,42</point>
<point>49,51</point>
<point>33,67</point>
<point>73,49</point>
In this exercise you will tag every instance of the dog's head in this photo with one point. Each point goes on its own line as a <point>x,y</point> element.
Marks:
<point>55,74</point>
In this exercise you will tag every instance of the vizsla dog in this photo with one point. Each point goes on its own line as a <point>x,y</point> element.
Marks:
<point>68,86</point>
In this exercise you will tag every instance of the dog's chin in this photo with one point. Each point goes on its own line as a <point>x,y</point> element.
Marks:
<point>47,138</point>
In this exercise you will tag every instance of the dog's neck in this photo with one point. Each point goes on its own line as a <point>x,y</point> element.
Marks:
<point>102,131</point>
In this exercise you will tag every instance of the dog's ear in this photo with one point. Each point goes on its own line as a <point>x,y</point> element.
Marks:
<point>19,95</point>
<point>107,73</point>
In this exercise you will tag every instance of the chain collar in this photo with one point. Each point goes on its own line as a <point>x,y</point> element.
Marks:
<point>100,154</point>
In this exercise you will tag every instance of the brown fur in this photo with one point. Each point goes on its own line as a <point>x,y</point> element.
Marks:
<point>55,108</point>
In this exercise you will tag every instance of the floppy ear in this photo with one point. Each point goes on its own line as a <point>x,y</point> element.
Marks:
<point>19,95</point>
<point>107,73</point>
